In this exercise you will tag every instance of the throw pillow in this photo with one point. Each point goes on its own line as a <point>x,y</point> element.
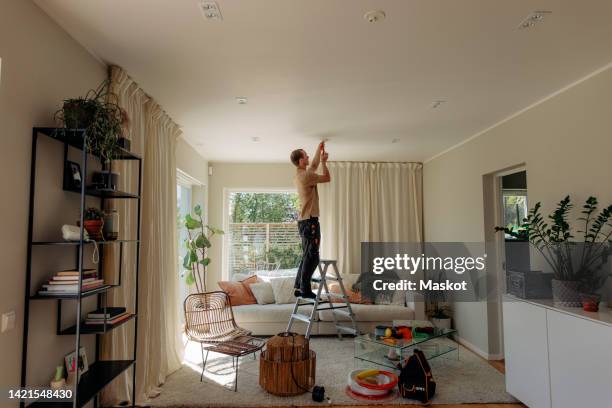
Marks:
<point>283,290</point>
<point>263,292</point>
<point>353,297</point>
<point>239,292</point>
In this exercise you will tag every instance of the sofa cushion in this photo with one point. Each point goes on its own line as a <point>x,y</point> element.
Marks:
<point>372,313</point>
<point>283,290</point>
<point>267,313</point>
<point>239,292</point>
<point>263,292</point>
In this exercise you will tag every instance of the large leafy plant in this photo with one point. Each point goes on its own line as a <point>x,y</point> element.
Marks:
<point>99,113</point>
<point>569,259</point>
<point>197,245</point>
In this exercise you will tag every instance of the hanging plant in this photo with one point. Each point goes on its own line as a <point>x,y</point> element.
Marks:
<point>99,114</point>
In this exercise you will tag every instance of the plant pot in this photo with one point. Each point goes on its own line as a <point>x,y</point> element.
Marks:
<point>78,115</point>
<point>444,323</point>
<point>590,302</point>
<point>565,293</point>
<point>94,228</point>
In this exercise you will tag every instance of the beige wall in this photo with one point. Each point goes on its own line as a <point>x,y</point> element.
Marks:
<point>566,145</point>
<point>191,162</point>
<point>41,65</point>
<point>239,175</point>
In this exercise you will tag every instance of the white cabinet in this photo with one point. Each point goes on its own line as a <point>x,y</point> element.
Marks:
<point>525,344</point>
<point>580,353</point>
<point>557,358</point>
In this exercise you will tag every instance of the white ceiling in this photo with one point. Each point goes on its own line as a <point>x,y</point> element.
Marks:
<point>316,68</point>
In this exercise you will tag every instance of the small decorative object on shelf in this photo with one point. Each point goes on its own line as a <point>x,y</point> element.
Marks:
<point>72,363</point>
<point>105,180</point>
<point>111,225</point>
<point>72,176</point>
<point>58,381</point>
<point>93,223</point>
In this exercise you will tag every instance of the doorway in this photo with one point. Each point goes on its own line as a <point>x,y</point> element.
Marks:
<point>505,205</point>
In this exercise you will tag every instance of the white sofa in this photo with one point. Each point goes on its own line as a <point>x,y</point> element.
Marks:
<point>271,319</point>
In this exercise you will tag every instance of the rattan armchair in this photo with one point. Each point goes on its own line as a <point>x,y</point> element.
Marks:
<point>209,320</point>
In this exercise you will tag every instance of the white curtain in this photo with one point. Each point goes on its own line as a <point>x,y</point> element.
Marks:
<point>159,350</point>
<point>369,202</point>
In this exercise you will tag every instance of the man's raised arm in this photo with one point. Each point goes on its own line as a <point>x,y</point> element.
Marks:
<point>314,165</point>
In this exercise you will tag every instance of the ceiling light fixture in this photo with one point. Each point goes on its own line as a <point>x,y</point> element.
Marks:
<point>533,18</point>
<point>395,140</point>
<point>374,16</point>
<point>255,139</point>
<point>242,100</point>
<point>210,10</point>
<point>437,103</point>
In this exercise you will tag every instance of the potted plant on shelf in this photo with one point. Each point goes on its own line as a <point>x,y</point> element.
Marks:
<point>93,221</point>
<point>197,244</point>
<point>99,114</point>
<point>577,266</point>
<point>440,316</point>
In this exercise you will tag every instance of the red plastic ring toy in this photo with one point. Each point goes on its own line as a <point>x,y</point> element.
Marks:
<point>380,387</point>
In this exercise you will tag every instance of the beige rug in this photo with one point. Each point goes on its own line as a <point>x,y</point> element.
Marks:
<point>468,379</point>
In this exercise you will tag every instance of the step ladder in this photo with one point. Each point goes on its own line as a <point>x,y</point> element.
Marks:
<point>320,303</point>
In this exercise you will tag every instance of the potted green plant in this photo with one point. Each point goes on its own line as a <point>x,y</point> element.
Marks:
<point>93,221</point>
<point>440,316</point>
<point>576,265</point>
<point>100,115</point>
<point>197,245</point>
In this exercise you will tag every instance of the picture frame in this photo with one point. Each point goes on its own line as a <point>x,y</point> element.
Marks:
<point>70,361</point>
<point>72,176</point>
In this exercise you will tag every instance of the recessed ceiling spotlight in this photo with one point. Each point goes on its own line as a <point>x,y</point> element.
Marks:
<point>241,100</point>
<point>395,140</point>
<point>437,103</point>
<point>210,10</point>
<point>255,139</point>
<point>374,16</point>
<point>533,18</point>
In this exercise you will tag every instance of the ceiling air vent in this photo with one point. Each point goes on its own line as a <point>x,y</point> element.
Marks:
<point>210,10</point>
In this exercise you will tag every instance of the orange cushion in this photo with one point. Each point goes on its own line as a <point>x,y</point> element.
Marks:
<point>239,292</point>
<point>353,297</point>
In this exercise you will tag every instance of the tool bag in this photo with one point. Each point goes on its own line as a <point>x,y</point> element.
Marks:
<point>416,380</point>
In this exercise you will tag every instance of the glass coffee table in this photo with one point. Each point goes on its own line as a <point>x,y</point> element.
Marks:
<point>371,350</point>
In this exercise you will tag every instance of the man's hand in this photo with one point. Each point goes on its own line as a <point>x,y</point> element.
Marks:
<point>324,157</point>
<point>322,146</point>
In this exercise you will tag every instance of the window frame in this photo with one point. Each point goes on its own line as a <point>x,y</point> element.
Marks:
<point>225,275</point>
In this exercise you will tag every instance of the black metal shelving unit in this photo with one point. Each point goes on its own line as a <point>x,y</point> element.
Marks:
<point>100,373</point>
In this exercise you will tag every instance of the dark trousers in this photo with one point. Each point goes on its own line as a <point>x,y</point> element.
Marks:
<point>310,231</point>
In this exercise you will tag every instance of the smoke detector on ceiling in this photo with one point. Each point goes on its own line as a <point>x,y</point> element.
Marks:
<point>242,100</point>
<point>374,16</point>
<point>533,18</point>
<point>210,10</point>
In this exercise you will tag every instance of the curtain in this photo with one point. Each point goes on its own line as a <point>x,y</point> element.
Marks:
<point>159,349</point>
<point>369,202</point>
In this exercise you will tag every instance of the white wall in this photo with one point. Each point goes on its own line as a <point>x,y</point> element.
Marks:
<point>41,65</point>
<point>566,145</point>
<point>239,175</point>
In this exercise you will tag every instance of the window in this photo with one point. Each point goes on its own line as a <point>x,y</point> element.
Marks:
<point>261,234</point>
<point>515,210</point>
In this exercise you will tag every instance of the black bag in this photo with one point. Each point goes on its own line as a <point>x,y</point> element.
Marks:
<point>415,379</point>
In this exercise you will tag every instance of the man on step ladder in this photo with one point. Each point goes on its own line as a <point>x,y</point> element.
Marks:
<point>306,180</point>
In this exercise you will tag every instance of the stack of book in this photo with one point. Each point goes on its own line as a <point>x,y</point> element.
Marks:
<point>112,315</point>
<point>67,282</point>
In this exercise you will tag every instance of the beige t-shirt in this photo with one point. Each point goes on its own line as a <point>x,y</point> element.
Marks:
<point>306,182</point>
